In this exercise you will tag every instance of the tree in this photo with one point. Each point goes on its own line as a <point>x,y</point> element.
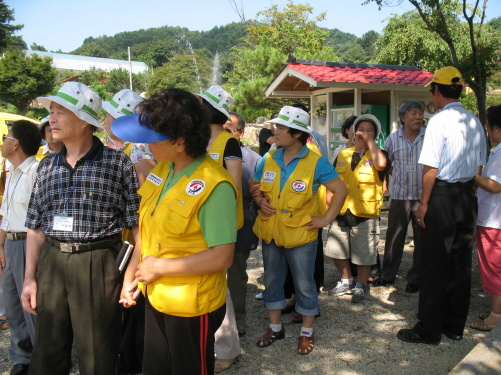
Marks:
<point>6,29</point>
<point>472,46</point>
<point>259,57</point>
<point>23,78</point>
<point>290,29</point>
<point>36,47</point>
<point>188,72</point>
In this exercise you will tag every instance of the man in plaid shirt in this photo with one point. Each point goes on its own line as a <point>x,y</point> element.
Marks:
<point>83,197</point>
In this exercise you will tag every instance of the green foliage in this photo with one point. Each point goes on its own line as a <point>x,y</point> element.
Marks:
<point>181,72</point>
<point>36,47</point>
<point>23,78</point>
<point>6,29</point>
<point>450,32</point>
<point>290,29</point>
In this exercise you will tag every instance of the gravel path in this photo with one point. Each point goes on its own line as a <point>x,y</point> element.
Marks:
<point>350,338</point>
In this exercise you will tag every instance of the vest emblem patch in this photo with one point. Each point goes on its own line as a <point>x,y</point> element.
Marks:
<point>214,155</point>
<point>195,187</point>
<point>298,186</point>
<point>368,163</point>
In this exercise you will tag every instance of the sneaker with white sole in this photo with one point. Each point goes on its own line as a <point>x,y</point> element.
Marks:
<point>359,293</point>
<point>341,289</point>
<point>259,296</point>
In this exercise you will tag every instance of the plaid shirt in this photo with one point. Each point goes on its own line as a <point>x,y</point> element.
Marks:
<point>100,194</point>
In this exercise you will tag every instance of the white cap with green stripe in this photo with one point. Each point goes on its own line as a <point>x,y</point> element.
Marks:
<point>79,99</point>
<point>294,118</point>
<point>218,98</point>
<point>123,103</point>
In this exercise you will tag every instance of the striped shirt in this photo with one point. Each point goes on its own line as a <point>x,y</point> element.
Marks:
<point>407,172</point>
<point>454,143</point>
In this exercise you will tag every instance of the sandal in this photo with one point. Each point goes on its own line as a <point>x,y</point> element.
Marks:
<point>225,364</point>
<point>269,337</point>
<point>305,345</point>
<point>484,315</point>
<point>482,326</point>
<point>3,324</point>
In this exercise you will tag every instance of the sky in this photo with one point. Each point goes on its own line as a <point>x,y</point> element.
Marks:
<point>64,24</point>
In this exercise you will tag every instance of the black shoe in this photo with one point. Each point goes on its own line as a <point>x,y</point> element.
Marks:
<point>20,369</point>
<point>412,288</point>
<point>382,282</point>
<point>452,336</point>
<point>411,335</point>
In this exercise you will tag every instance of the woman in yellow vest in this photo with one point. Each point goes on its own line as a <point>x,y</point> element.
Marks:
<point>355,232</point>
<point>184,252</point>
<point>289,179</point>
<point>51,145</point>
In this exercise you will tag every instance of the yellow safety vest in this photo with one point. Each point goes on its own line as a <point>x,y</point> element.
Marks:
<point>295,204</point>
<point>40,155</point>
<point>322,190</point>
<point>216,152</point>
<point>365,189</point>
<point>170,229</point>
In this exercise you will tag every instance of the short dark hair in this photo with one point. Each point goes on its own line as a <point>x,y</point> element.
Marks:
<point>302,138</point>
<point>494,116</point>
<point>348,123</point>
<point>216,116</point>
<point>301,106</point>
<point>240,121</point>
<point>179,114</point>
<point>28,135</point>
<point>42,129</point>
<point>448,91</point>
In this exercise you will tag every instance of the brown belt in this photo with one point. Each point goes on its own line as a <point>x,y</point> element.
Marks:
<point>16,236</point>
<point>81,247</point>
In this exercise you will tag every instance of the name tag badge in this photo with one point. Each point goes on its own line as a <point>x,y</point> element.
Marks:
<point>214,155</point>
<point>154,179</point>
<point>269,176</point>
<point>5,224</point>
<point>64,223</point>
<point>342,164</point>
<point>410,168</point>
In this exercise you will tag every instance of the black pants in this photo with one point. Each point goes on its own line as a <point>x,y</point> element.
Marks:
<point>445,271</point>
<point>176,345</point>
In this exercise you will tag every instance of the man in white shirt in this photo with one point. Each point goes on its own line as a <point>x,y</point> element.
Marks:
<point>454,149</point>
<point>19,147</point>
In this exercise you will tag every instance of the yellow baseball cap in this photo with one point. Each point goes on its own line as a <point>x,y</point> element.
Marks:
<point>446,76</point>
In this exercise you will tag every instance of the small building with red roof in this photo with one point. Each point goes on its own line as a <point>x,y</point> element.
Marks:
<point>346,89</point>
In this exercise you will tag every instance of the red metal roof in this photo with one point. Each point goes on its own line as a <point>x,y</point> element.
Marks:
<point>374,75</point>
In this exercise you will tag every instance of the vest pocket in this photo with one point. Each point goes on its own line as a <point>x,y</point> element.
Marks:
<point>175,295</point>
<point>180,211</point>
<point>370,192</point>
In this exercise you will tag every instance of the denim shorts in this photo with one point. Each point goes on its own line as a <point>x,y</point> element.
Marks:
<point>301,260</point>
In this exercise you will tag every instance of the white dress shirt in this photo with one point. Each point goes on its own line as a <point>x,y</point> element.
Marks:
<point>454,143</point>
<point>17,195</point>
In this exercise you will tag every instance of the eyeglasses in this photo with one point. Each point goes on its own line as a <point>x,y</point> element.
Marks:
<point>6,136</point>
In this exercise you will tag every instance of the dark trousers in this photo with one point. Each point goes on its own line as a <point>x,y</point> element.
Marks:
<point>130,354</point>
<point>400,214</point>
<point>175,345</point>
<point>445,271</point>
<point>77,298</point>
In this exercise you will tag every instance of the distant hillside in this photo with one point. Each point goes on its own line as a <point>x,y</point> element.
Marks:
<point>156,46</point>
